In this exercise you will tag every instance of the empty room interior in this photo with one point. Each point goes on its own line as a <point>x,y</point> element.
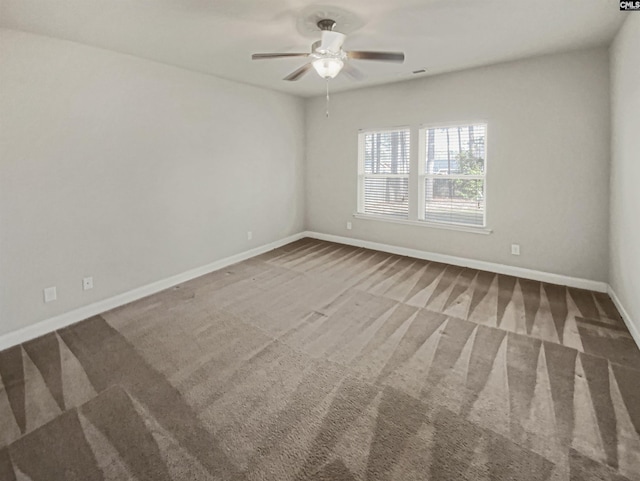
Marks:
<point>295,241</point>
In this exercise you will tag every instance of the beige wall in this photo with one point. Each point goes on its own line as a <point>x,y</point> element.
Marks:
<point>625,167</point>
<point>548,160</point>
<point>131,171</point>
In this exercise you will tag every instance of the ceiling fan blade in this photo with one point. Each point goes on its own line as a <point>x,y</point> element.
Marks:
<point>260,56</point>
<point>331,41</point>
<point>295,75</point>
<point>352,72</point>
<point>384,56</point>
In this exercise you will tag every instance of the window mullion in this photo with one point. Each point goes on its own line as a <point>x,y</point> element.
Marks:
<point>420,174</point>
<point>414,159</point>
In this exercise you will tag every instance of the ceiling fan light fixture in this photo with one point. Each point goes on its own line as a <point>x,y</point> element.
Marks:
<point>328,67</point>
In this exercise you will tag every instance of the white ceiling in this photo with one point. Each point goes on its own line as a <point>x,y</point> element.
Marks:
<point>219,36</point>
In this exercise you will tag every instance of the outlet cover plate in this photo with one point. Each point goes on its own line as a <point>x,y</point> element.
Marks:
<point>50,294</point>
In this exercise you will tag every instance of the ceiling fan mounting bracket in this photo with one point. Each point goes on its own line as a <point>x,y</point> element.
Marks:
<point>326,24</point>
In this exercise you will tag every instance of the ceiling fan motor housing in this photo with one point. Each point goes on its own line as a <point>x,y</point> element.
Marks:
<point>327,56</point>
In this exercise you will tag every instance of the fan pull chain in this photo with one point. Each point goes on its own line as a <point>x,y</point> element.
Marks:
<point>327,111</point>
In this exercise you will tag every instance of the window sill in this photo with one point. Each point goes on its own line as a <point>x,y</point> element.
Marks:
<point>422,223</point>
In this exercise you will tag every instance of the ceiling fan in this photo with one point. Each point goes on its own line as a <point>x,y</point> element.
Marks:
<point>328,58</point>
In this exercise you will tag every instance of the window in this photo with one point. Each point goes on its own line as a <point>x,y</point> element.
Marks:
<point>444,184</point>
<point>452,175</point>
<point>383,173</point>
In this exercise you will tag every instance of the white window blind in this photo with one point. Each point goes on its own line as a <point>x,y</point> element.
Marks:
<point>383,173</point>
<point>452,175</point>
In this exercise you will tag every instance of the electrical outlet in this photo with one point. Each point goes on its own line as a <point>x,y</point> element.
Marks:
<point>515,249</point>
<point>249,235</point>
<point>87,283</point>
<point>349,226</point>
<point>50,294</point>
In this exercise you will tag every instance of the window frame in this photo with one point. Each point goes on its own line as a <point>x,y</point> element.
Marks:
<point>362,176</point>
<point>417,176</point>
<point>422,176</point>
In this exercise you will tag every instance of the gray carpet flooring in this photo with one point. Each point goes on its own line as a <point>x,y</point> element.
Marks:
<point>319,361</point>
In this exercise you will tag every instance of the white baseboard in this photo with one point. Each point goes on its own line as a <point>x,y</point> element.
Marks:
<point>464,262</point>
<point>58,322</point>
<point>49,325</point>
<point>633,328</point>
